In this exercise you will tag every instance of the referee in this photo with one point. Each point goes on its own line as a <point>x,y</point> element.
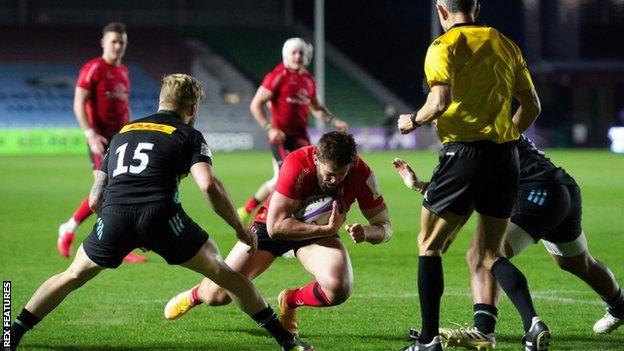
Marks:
<point>473,72</point>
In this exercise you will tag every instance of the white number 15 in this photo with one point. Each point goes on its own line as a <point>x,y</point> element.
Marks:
<point>138,155</point>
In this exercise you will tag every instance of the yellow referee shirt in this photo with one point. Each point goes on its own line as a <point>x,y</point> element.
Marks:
<point>485,69</point>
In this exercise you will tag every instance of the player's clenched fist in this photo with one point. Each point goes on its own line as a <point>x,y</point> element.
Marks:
<point>356,232</point>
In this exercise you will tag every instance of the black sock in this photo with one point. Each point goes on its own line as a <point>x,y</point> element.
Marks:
<point>616,305</point>
<point>430,288</point>
<point>23,323</point>
<point>267,319</point>
<point>485,317</point>
<point>515,286</point>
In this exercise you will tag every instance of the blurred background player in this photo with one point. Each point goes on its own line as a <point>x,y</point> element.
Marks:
<point>141,209</point>
<point>332,167</point>
<point>548,208</point>
<point>289,91</point>
<point>474,72</point>
<point>101,107</point>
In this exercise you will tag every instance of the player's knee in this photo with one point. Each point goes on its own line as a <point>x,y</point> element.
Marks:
<point>75,278</point>
<point>337,290</point>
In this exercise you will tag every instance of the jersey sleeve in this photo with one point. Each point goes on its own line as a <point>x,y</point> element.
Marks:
<point>523,77</point>
<point>200,152</point>
<point>272,81</point>
<point>369,196</point>
<point>88,76</point>
<point>439,63</point>
<point>289,180</point>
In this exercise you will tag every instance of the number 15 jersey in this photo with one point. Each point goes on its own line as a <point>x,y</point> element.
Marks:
<point>148,157</point>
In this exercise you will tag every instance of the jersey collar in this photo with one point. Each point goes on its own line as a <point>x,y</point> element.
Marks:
<point>169,112</point>
<point>465,24</point>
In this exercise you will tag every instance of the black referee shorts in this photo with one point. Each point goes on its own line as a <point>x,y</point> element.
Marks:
<point>551,212</point>
<point>482,174</point>
<point>277,247</point>
<point>163,228</point>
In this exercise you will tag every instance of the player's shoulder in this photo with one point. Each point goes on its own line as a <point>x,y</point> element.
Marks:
<point>361,169</point>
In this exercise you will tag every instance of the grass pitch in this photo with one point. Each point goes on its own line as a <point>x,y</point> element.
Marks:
<point>122,309</point>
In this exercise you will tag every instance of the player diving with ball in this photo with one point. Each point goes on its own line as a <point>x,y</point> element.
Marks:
<point>332,168</point>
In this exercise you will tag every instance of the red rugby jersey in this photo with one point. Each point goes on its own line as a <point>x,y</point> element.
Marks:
<point>109,85</point>
<point>298,180</point>
<point>292,93</point>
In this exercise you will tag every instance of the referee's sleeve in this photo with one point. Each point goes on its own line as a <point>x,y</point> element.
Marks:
<point>523,76</point>
<point>438,64</point>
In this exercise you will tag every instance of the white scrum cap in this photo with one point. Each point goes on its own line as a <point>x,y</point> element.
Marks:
<point>298,43</point>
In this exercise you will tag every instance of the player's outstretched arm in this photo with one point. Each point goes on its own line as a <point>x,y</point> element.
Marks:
<point>379,229</point>
<point>221,202</point>
<point>409,176</point>
<point>282,225</point>
<point>96,196</point>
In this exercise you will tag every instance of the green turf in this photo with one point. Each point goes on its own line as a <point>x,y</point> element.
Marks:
<point>122,309</point>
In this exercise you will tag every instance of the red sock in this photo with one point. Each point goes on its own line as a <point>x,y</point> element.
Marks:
<point>251,205</point>
<point>83,211</point>
<point>309,295</point>
<point>195,296</point>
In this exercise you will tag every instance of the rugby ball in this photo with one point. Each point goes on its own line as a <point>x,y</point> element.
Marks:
<point>316,209</point>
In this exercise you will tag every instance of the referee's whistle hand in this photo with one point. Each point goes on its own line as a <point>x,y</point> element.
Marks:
<point>405,123</point>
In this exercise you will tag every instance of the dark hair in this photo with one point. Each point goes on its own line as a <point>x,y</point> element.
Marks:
<point>116,27</point>
<point>455,6</point>
<point>337,147</point>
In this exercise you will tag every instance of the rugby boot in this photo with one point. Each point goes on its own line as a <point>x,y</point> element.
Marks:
<point>134,258</point>
<point>434,345</point>
<point>468,337</point>
<point>296,345</point>
<point>538,337</point>
<point>181,303</point>
<point>287,315</point>
<point>607,324</point>
<point>64,240</point>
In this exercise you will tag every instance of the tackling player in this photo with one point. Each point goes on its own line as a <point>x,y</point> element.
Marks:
<point>548,208</point>
<point>332,167</point>
<point>290,93</point>
<point>101,108</point>
<point>135,195</point>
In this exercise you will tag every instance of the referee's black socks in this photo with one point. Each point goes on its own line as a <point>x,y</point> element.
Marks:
<point>23,323</point>
<point>515,286</point>
<point>430,288</point>
<point>267,319</point>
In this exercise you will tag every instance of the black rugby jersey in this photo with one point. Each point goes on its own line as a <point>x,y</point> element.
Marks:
<point>537,169</point>
<point>148,157</point>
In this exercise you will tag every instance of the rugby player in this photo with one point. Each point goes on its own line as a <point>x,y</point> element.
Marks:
<point>101,108</point>
<point>289,91</point>
<point>473,72</point>
<point>135,195</point>
<point>332,167</point>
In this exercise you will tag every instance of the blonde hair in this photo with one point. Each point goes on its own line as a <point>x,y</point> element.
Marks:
<point>180,90</point>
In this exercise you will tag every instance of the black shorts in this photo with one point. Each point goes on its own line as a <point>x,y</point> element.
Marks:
<point>277,247</point>
<point>552,213</point>
<point>163,228</point>
<point>479,174</point>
